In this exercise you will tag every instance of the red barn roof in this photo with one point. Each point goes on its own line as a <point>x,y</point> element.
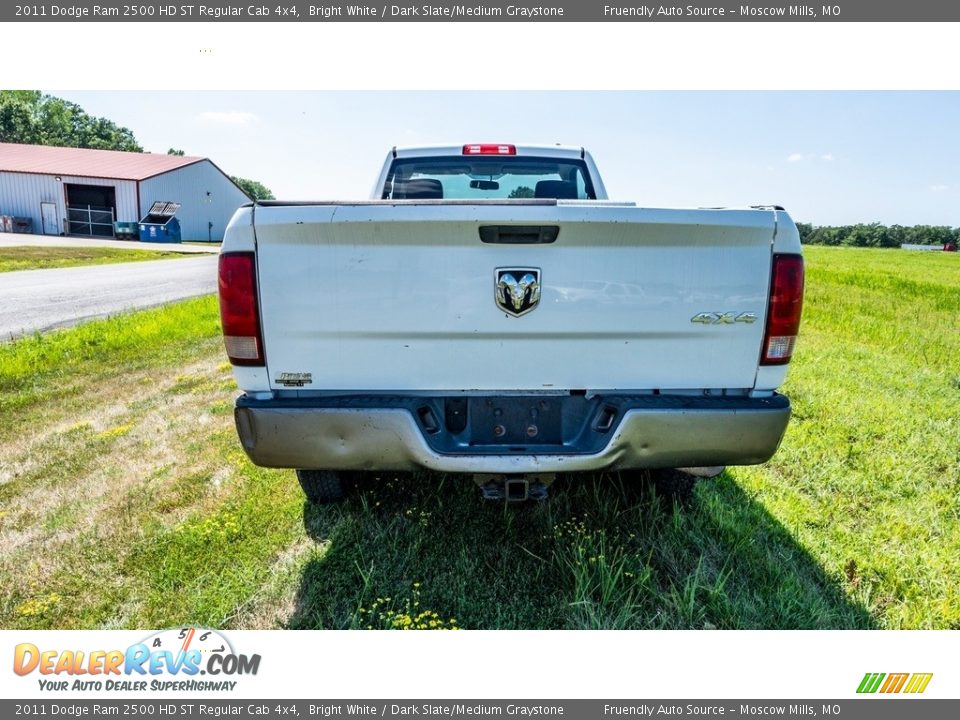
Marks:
<point>113,164</point>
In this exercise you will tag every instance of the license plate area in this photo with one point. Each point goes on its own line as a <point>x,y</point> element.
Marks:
<point>516,421</point>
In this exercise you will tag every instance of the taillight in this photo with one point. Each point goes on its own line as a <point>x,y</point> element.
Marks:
<point>489,149</point>
<point>783,312</point>
<point>239,315</point>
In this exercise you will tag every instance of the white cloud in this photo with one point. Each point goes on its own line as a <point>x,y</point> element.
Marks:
<point>229,117</point>
<point>939,188</point>
<point>809,157</point>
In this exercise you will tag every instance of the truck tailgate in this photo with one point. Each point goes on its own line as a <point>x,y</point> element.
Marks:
<point>402,296</point>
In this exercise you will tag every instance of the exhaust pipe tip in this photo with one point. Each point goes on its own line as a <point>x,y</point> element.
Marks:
<point>703,472</point>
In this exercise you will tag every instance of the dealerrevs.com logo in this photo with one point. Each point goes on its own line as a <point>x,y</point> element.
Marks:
<point>172,659</point>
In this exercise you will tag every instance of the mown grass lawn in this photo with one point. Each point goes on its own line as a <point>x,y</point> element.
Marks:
<point>28,257</point>
<point>125,500</point>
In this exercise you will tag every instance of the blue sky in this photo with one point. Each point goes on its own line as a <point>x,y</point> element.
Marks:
<point>828,157</point>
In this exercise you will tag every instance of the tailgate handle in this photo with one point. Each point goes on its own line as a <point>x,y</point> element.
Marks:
<point>519,234</point>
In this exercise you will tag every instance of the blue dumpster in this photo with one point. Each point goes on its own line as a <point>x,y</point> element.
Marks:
<point>160,225</point>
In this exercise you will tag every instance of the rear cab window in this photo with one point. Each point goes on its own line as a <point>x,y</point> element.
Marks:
<point>487,178</point>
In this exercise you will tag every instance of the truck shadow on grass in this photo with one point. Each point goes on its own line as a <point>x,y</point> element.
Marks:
<point>605,551</point>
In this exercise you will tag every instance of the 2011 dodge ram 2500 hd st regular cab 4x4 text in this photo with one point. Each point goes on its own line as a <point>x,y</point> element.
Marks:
<point>490,312</point>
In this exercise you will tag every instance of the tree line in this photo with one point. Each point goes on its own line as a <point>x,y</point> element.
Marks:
<point>30,117</point>
<point>877,235</point>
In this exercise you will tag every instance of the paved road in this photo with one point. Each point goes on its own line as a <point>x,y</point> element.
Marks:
<point>38,300</point>
<point>17,239</point>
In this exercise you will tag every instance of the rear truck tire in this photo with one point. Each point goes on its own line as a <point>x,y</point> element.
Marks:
<point>325,486</point>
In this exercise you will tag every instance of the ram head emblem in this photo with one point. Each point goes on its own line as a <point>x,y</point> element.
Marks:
<point>517,290</point>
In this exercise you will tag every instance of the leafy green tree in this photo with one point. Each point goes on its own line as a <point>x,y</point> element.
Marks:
<point>18,121</point>
<point>521,192</point>
<point>27,116</point>
<point>896,236</point>
<point>174,151</point>
<point>256,190</point>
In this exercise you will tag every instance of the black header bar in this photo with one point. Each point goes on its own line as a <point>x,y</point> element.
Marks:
<point>521,11</point>
<point>204,706</point>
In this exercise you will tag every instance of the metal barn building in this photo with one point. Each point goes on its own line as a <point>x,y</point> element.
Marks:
<point>80,192</point>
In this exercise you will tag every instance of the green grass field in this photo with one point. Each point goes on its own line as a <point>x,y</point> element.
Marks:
<point>28,257</point>
<point>126,501</point>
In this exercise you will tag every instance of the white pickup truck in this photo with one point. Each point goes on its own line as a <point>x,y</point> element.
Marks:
<point>490,312</point>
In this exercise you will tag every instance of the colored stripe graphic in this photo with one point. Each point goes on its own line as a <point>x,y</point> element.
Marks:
<point>894,682</point>
<point>870,682</point>
<point>918,683</point>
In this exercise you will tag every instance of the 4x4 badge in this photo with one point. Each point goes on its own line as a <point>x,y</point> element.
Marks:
<point>724,318</point>
<point>516,290</point>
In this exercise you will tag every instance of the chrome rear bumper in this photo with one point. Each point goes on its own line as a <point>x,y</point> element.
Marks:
<point>662,433</point>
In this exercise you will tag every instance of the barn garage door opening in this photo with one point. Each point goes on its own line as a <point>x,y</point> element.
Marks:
<point>91,210</point>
